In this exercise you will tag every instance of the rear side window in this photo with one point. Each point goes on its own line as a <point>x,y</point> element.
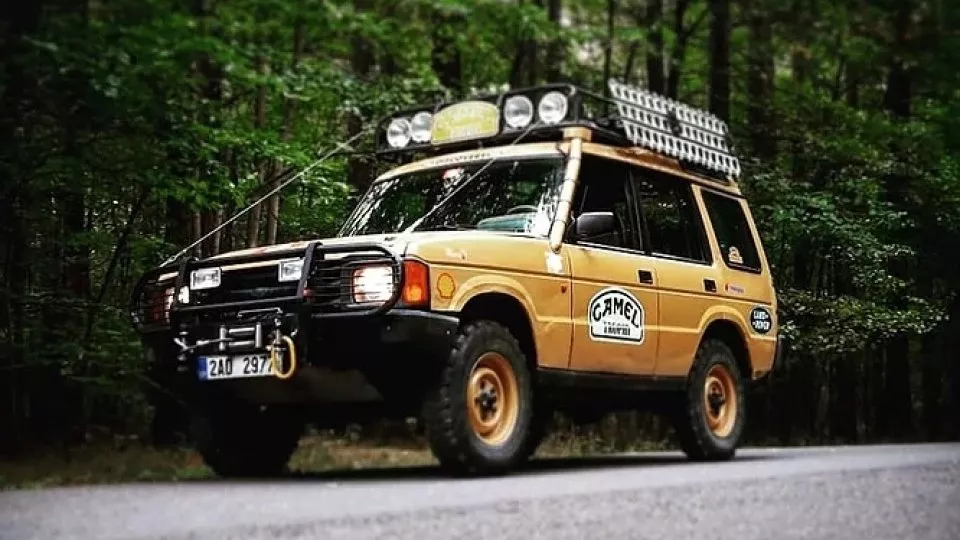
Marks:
<point>733,233</point>
<point>670,215</point>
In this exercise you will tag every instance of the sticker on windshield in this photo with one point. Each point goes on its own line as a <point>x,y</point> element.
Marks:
<point>451,179</point>
<point>733,255</point>
<point>451,174</point>
<point>616,315</point>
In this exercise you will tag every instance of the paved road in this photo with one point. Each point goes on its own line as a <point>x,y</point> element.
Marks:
<point>879,492</point>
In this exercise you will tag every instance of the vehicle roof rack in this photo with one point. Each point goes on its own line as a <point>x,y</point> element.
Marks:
<point>676,129</point>
<point>630,117</point>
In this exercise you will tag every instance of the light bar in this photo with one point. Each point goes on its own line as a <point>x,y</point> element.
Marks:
<point>669,127</point>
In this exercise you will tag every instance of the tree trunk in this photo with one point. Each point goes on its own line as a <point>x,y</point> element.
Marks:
<point>932,354</point>
<point>898,94</point>
<point>289,110</point>
<point>679,54</point>
<point>843,408</point>
<point>361,64</point>
<point>555,51</point>
<point>15,192</point>
<point>898,409</point>
<point>608,47</point>
<point>720,58</point>
<point>654,22</point>
<point>259,122</point>
<point>628,66</point>
<point>951,346</point>
<point>534,69</point>
<point>445,58</point>
<point>760,78</point>
<point>519,58</point>
<point>800,52</point>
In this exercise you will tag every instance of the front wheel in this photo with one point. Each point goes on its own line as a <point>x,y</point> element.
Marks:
<point>478,412</point>
<point>709,418</point>
<point>245,441</point>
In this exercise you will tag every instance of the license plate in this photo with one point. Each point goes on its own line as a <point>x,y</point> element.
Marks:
<point>234,367</point>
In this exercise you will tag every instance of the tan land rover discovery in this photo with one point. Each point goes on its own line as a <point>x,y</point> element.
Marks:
<point>545,249</point>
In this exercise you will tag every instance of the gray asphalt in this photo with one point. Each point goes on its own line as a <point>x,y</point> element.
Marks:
<point>896,492</point>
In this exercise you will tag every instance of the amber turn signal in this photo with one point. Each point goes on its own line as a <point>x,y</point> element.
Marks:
<point>416,283</point>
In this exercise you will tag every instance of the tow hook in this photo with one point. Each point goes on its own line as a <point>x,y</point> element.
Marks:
<point>280,344</point>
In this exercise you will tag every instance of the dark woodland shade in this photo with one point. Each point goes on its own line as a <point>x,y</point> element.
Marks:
<point>132,127</point>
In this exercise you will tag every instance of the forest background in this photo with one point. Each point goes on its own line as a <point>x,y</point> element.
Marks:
<point>129,128</point>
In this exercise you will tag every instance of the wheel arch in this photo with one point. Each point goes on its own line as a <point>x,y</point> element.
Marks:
<point>730,333</point>
<point>507,310</point>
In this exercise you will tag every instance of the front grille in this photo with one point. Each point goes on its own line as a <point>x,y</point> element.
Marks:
<point>242,284</point>
<point>250,284</point>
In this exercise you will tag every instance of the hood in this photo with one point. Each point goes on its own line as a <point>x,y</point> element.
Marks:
<point>396,242</point>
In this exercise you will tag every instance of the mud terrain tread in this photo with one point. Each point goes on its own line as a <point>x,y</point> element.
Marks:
<point>447,424</point>
<point>694,436</point>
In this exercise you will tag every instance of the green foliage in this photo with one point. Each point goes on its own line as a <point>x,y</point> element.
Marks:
<point>128,122</point>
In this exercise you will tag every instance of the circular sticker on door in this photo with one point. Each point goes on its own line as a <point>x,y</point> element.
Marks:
<point>760,320</point>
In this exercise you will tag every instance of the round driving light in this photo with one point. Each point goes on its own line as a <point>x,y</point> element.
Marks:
<point>398,133</point>
<point>518,111</point>
<point>420,126</point>
<point>552,108</point>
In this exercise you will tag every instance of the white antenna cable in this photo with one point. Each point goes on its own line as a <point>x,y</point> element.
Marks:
<point>272,192</point>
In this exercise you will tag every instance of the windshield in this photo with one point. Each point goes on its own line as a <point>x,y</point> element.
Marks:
<point>515,195</point>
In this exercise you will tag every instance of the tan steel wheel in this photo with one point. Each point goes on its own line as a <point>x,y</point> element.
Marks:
<point>720,401</point>
<point>492,397</point>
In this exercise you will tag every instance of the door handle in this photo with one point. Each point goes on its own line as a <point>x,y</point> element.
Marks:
<point>709,285</point>
<point>645,276</point>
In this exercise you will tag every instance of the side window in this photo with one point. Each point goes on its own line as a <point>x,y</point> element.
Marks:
<point>670,215</point>
<point>603,188</point>
<point>733,233</point>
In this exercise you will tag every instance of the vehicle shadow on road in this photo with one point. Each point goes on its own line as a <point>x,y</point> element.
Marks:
<point>534,467</point>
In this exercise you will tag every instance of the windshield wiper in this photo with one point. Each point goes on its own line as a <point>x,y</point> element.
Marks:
<point>450,227</point>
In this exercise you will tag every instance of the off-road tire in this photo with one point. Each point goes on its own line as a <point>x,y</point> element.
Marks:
<point>244,441</point>
<point>689,416</point>
<point>447,416</point>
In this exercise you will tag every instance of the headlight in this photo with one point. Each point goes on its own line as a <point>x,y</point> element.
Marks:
<point>290,270</point>
<point>372,284</point>
<point>420,127</point>
<point>398,132</point>
<point>552,108</point>
<point>518,111</point>
<point>205,278</point>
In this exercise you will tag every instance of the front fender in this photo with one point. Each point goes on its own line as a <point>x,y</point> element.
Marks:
<point>485,284</point>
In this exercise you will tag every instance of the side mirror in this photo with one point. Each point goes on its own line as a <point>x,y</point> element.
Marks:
<point>590,225</point>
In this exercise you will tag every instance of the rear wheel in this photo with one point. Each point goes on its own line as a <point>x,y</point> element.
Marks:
<point>245,441</point>
<point>478,412</point>
<point>709,418</point>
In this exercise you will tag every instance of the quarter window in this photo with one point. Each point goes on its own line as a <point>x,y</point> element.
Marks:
<point>732,231</point>
<point>670,215</point>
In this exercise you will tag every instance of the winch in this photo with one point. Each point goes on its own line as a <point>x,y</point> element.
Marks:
<point>258,335</point>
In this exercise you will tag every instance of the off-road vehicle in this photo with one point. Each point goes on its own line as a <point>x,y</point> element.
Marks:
<point>540,250</point>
